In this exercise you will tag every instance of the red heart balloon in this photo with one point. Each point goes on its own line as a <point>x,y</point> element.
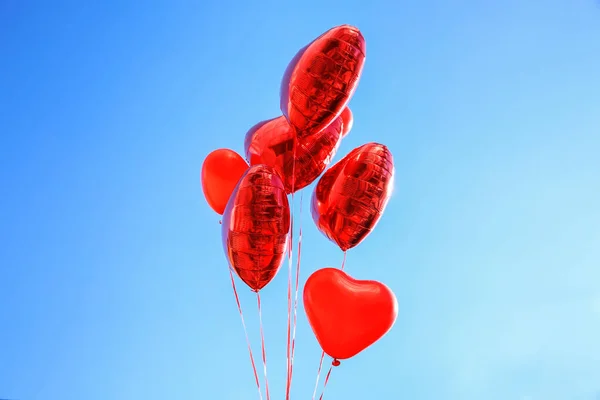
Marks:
<point>272,143</point>
<point>256,225</point>
<point>347,315</point>
<point>221,171</point>
<point>352,195</point>
<point>322,77</point>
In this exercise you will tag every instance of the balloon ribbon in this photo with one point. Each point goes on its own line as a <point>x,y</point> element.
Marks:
<point>318,375</point>
<point>237,300</point>
<point>289,292</point>
<point>334,363</point>
<point>291,372</point>
<point>289,306</point>
<point>262,343</point>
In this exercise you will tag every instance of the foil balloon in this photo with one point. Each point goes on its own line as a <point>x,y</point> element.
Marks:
<point>272,143</point>
<point>351,196</point>
<point>348,120</point>
<point>256,225</point>
<point>320,80</point>
<point>347,315</point>
<point>221,171</point>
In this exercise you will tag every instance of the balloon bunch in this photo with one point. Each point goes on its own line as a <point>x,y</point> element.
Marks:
<point>286,154</point>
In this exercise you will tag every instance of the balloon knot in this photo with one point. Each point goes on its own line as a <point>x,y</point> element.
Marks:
<point>336,362</point>
<point>220,222</point>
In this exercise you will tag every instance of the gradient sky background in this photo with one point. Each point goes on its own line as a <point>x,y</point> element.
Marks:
<point>113,283</point>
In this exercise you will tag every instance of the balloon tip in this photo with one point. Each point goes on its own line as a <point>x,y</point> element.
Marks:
<point>220,222</point>
<point>336,362</point>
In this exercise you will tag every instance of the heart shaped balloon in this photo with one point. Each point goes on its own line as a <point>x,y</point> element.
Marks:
<point>320,80</point>
<point>256,225</point>
<point>221,171</point>
<point>347,315</point>
<point>352,195</point>
<point>272,143</point>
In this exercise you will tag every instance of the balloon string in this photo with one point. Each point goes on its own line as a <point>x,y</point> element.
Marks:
<point>335,363</point>
<point>262,343</point>
<point>344,260</point>
<point>296,294</point>
<point>318,375</point>
<point>289,292</point>
<point>289,307</point>
<point>237,300</point>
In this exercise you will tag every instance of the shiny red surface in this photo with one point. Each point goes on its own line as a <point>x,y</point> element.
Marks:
<point>321,79</point>
<point>352,195</point>
<point>221,171</point>
<point>272,143</point>
<point>256,225</point>
<point>347,315</point>
<point>348,120</point>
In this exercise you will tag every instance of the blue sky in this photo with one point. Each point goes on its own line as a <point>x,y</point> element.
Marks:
<point>113,284</point>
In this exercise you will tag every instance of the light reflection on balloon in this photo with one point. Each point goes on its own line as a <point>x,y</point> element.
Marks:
<point>271,142</point>
<point>322,78</point>
<point>352,195</point>
<point>256,225</point>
